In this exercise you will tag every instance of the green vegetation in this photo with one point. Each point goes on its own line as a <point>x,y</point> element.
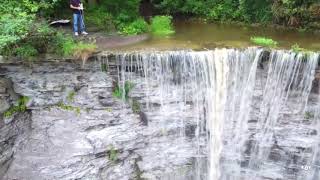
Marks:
<point>135,106</point>
<point>66,46</point>
<point>20,107</point>
<point>296,48</point>
<point>308,115</point>
<point>104,67</point>
<point>262,41</point>
<point>63,106</point>
<point>136,27</point>
<point>295,13</point>
<point>25,33</point>
<point>99,18</point>
<point>113,154</point>
<point>70,96</point>
<point>162,25</point>
<point>118,90</point>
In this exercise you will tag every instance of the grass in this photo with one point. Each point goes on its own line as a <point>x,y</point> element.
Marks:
<point>67,46</point>
<point>20,107</point>
<point>162,25</point>
<point>118,91</point>
<point>265,42</point>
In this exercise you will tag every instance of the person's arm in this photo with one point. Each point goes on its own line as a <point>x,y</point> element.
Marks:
<point>73,7</point>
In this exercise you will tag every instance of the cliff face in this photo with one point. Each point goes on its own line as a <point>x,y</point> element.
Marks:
<point>75,128</point>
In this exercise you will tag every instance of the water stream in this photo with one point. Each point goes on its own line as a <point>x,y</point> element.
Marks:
<point>254,114</point>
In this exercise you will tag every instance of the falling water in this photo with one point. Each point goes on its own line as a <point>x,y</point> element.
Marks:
<point>248,107</point>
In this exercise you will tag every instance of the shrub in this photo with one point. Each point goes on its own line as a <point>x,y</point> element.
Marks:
<point>162,25</point>
<point>26,51</point>
<point>99,18</point>
<point>262,41</point>
<point>136,27</point>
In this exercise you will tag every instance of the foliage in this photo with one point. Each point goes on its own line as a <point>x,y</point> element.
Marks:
<point>99,18</point>
<point>118,90</point>
<point>20,107</point>
<point>26,51</point>
<point>262,41</point>
<point>136,27</point>
<point>285,12</point>
<point>18,21</point>
<point>162,25</point>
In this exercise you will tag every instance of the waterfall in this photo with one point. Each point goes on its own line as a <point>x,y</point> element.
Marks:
<point>253,112</point>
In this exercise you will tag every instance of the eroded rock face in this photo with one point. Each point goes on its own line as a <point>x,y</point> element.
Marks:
<point>98,138</point>
<point>75,129</point>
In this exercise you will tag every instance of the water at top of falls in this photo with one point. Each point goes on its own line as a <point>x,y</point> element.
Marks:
<point>249,110</point>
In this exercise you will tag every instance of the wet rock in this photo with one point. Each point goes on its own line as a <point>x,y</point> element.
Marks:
<point>65,144</point>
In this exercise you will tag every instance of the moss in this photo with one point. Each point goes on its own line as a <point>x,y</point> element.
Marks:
<point>63,106</point>
<point>308,115</point>
<point>113,154</point>
<point>20,107</point>
<point>70,96</point>
<point>109,109</point>
<point>135,106</point>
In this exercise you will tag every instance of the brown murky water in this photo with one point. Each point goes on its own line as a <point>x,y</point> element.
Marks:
<point>199,35</point>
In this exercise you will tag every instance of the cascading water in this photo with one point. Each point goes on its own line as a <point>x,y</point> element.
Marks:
<point>254,115</point>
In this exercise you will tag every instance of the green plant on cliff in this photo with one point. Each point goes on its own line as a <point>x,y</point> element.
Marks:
<point>263,41</point>
<point>70,96</point>
<point>121,92</point>
<point>20,107</point>
<point>113,154</point>
<point>135,105</point>
<point>308,115</point>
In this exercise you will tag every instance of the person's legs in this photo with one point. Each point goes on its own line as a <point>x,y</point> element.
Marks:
<point>82,25</point>
<point>75,23</point>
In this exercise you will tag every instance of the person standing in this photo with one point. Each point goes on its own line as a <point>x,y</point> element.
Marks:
<point>77,8</point>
